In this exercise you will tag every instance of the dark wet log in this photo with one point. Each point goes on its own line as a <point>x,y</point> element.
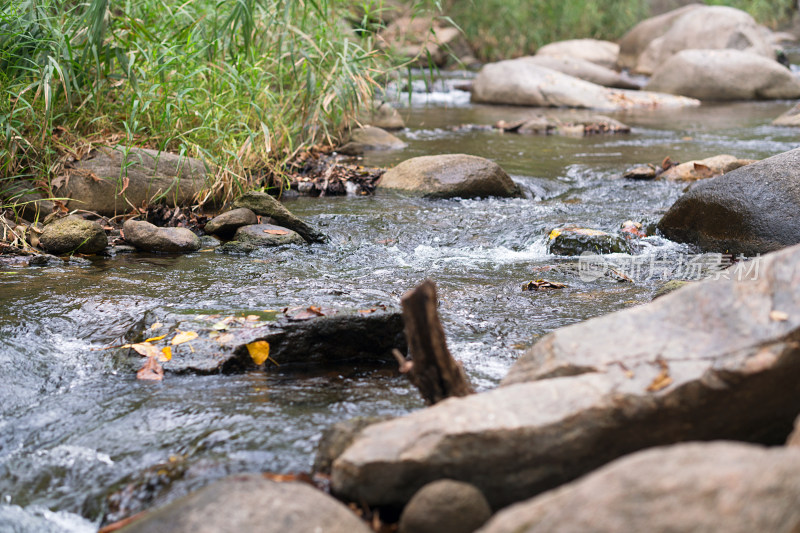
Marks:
<point>432,368</point>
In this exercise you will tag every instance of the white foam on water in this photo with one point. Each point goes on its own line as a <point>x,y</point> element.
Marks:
<point>38,519</point>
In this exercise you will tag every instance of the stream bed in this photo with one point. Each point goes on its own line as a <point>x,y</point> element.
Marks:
<point>75,429</point>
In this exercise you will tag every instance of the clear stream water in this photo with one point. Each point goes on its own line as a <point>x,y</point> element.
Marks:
<point>74,428</point>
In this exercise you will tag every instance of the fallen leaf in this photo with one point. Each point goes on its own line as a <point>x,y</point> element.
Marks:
<point>276,231</point>
<point>778,316</point>
<point>151,370</point>
<point>183,336</point>
<point>166,354</point>
<point>154,339</point>
<point>553,234</point>
<point>125,182</point>
<point>542,284</point>
<point>259,352</point>
<point>144,348</point>
<point>662,380</point>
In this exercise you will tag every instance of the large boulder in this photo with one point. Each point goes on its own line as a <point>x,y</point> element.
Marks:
<point>751,210</point>
<point>450,176</point>
<point>717,359</point>
<point>109,180</point>
<point>250,502</point>
<point>369,138</point>
<point>73,235</point>
<point>640,36</point>
<point>790,118</point>
<point>724,75</point>
<point>150,238</point>
<point>705,28</point>
<point>704,168</point>
<point>265,205</point>
<point>584,70</point>
<point>603,53</point>
<point>720,486</point>
<point>522,82</point>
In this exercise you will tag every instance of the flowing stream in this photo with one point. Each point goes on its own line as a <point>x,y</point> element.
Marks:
<point>74,428</point>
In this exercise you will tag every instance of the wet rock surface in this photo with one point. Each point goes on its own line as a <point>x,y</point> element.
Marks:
<point>369,138</point>
<point>575,241</point>
<point>265,205</point>
<point>150,238</point>
<point>579,127</point>
<point>445,505</point>
<point>73,235</point>
<point>449,176</point>
<point>718,486</point>
<point>716,360</point>
<point>266,235</point>
<point>251,503</point>
<point>226,224</point>
<point>750,210</point>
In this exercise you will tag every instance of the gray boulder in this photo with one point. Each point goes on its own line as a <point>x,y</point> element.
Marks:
<point>640,36</point>
<point>109,180</point>
<point>445,505</point>
<point>226,224</point>
<point>751,210</point>
<point>705,28</point>
<point>791,118</point>
<point>705,487</point>
<point>603,53</point>
<point>248,502</point>
<point>267,235</point>
<point>150,238</point>
<point>724,75</point>
<point>450,176</point>
<point>584,70</point>
<point>265,205</point>
<point>521,82</point>
<point>715,360</point>
<point>73,235</point>
<point>369,138</point>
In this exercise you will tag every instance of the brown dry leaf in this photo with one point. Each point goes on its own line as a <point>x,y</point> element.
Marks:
<point>276,231</point>
<point>259,352</point>
<point>125,182</point>
<point>151,370</point>
<point>778,316</point>
<point>144,349</point>
<point>662,380</point>
<point>166,354</point>
<point>183,336</point>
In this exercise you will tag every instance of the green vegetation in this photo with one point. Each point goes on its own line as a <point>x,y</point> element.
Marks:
<point>243,84</point>
<point>769,12</point>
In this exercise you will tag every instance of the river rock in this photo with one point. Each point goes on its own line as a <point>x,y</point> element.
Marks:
<point>450,176</point>
<point>445,505</point>
<point>724,75</point>
<point>150,238</point>
<point>751,210</point>
<point>584,70</point>
<point>715,360</point>
<point>227,223</point>
<point>603,53</point>
<point>790,118</point>
<point>521,82</point>
<point>265,205</point>
<point>547,125</point>
<point>248,502</point>
<point>642,172</point>
<point>640,36</point>
<point>73,235</point>
<point>368,138</point>
<point>720,486</point>
<point>705,28</point>
<point>298,339</point>
<point>704,168</point>
<point>108,181</point>
<point>424,39</point>
<point>575,241</point>
<point>384,116</point>
<point>336,438</point>
<point>794,438</point>
<point>267,235</point>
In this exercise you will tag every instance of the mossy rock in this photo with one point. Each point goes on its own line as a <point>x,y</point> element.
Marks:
<point>575,241</point>
<point>73,235</point>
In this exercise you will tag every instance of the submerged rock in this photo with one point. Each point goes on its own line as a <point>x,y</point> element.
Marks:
<point>704,168</point>
<point>545,125</point>
<point>720,486</point>
<point>575,241</point>
<point>71,235</point>
<point>227,223</point>
<point>520,82</point>
<point>711,361</point>
<point>249,502</point>
<point>584,70</point>
<point>150,238</point>
<point>267,235</point>
<point>369,138</point>
<point>753,209</point>
<point>110,179</point>
<point>292,341</point>
<point>724,75</point>
<point>603,53</point>
<point>450,176</point>
<point>445,505</point>
<point>265,205</point>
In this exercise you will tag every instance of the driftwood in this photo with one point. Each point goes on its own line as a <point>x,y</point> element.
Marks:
<point>431,369</point>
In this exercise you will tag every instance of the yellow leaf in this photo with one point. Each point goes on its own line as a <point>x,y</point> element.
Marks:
<point>154,339</point>
<point>183,336</point>
<point>259,351</point>
<point>145,349</point>
<point>166,354</point>
<point>553,234</point>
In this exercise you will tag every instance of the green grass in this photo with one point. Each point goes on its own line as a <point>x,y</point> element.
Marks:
<point>769,12</point>
<point>243,84</point>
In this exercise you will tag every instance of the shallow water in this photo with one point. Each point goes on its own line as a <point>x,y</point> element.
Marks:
<point>74,428</point>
